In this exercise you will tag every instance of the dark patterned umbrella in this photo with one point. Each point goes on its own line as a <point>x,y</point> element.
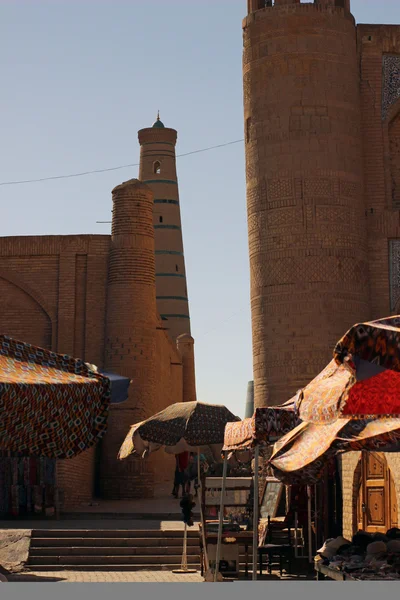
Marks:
<point>182,426</point>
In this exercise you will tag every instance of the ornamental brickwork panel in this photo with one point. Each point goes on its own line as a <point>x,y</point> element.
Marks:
<point>391,82</point>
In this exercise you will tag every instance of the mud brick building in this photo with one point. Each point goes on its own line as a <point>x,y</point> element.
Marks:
<point>322,136</point>
<point>120,302</point>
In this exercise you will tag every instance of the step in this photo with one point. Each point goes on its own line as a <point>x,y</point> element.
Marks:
<point>113,533</point>
<point>109,560</point>
<point>110,551</point>
<point>91,516</point>
<point>116,542</point>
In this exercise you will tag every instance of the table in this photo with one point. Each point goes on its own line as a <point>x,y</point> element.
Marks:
<point>244,538</point>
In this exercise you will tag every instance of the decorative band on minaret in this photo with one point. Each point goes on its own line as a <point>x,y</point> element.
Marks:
<point>158,171</point>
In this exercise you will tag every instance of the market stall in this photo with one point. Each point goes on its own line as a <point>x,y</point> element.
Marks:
<point>181,427</point>
<point>52,406</point>
<point>352,405</point>
<point>234,533</point>
<point>246,438</point>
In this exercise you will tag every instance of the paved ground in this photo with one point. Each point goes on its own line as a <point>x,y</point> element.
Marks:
<point>301,568</point>
<point>105,577</point>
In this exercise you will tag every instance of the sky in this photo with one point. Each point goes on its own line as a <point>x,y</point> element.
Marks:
<point>79,79</point>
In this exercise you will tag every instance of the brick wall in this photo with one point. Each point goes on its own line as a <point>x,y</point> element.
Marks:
<point>75,478</point>
<point>305,203</point>
<point>168,391</point>
<point>349,477</point>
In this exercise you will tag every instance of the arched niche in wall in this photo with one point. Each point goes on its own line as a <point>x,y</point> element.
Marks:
<point>23,313</point>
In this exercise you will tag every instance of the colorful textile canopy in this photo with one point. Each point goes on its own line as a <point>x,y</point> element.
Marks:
<point>179,427</point>
<point>363,379</point>
<point>266,425</point>
<point>353,404</point>
<point>51,405</point>
<point>300,457</point>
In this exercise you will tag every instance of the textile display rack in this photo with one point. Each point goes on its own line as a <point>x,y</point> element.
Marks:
<point>236,493</point>
<point>246,438</point>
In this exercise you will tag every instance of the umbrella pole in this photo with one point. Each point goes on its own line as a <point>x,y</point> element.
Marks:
<point>255,512</point>
<point>203,524</point>
<point>316,517</point>
<point>184,566</point>
<point>296,550</point>
<point>221,518</point>
<point>309,524</point>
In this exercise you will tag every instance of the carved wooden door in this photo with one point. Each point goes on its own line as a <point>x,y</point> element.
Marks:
<point>376,493</point>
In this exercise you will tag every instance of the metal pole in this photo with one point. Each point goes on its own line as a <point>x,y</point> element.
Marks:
<point>316,516</point>
<point>221,518</point>
<point>255,512</point>
<point>184,555</point>
<point>203,524</point>
<point>296,522</point>
<point>309,524</point>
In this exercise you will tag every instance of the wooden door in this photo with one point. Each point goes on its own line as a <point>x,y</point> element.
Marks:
<point>375,493</point>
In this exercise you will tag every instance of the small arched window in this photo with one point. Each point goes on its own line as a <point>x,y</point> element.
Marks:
<point>176,268</point>
<point>161,219</point>
<point>157,167</point>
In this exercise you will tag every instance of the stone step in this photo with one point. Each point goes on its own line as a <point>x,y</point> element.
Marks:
<point>90,516</point>
<point>116,542</point>
<point>113,533</point>
<point>110,560</point>
<point>111,551</point>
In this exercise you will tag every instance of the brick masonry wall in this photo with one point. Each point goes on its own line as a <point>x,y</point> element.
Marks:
<point>168,391</point>
<point>305,204</point>
<point>381,166</point>
<point>349,462</point>
<point>52,294</point>
<point>130,346</point>
<point>75,477</point>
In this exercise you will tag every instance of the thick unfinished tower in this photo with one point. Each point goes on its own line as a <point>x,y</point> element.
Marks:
<point>304,172</point>
<point>130,345</point>
<point>158,171</point>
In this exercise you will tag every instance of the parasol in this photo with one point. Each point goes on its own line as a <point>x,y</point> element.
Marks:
<point>184,426</point>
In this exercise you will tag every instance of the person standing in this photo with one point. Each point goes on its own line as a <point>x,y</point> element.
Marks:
<point>182,462</point>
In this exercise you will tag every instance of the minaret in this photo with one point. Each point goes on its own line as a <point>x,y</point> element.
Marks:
<point>130,347</point>
<point>158,171</point>
<point>304,173</point>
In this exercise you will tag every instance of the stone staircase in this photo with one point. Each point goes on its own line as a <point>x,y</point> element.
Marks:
<point>106,550</point>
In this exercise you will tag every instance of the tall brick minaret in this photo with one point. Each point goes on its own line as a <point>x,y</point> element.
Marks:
<point>305,204</point>
<point>130,347</point>
<point>158,171</point>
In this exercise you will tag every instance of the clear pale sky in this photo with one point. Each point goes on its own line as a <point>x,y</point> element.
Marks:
<point>79,79</point>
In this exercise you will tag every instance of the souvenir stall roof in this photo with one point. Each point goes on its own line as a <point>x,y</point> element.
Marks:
<point>51,405</point>
<point>353,404</point>
<point>266,425</point>
<point>363,379</point>
<point>301,455</point>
